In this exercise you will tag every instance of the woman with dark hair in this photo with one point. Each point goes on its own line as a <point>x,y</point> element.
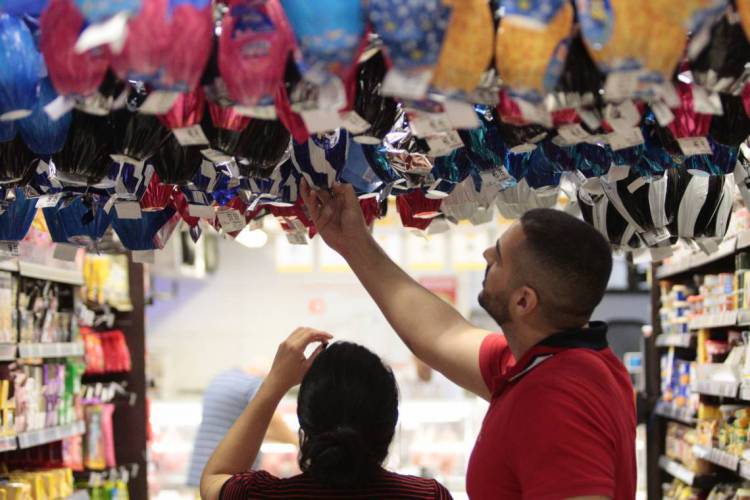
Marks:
<point>347,409</point>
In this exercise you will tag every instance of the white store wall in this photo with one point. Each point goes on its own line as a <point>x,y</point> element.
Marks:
<point>238,316</point>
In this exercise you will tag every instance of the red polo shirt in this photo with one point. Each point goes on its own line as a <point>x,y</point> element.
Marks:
<point>561,422</point>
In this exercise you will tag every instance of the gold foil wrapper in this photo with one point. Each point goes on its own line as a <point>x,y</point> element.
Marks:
<point>467,47</point>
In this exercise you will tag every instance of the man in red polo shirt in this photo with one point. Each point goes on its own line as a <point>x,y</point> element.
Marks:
<point>561,421</point>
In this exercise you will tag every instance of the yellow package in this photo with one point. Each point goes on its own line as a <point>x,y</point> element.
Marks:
<point>467,46</point>
<point>17,491</point>
<point>532,44</point>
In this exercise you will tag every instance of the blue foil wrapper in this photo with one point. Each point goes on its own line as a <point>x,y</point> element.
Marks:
<point>21,66</point>
<point>322,158</point>
<point>23,7</point>
<point>80,221</point>
<point>96,11</point>
<point>42,134</point>
<point>592,160</point>
<point>130,178</point>
<point>448,171</point>
<point>146,233</point>
<point>17,216</point>
<point>8,131</point>
<point>412,31</point>
<point>359,173</point>
<point>721,162</point>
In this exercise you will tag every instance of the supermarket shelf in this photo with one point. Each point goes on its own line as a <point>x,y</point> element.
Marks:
<point>677,470</point>
<point>744,470</point>
<point>667,410</point>
<point>50,350</point>
<point>8,443</point>
<point>50,435</point>
<point>10,265</point>
<point>720,320</point>
<point>675,340</point>
<point>745,392</point>
<point>32,270</point>
<point>743,317</point>
<point>717,456</point>
<point>717,388</point>
<point>694,261</point>
<point>8,352</point>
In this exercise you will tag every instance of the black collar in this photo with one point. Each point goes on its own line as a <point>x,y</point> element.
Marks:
<point>594,337</point>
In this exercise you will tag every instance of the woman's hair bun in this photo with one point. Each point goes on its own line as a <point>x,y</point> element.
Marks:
<point>338,458</point>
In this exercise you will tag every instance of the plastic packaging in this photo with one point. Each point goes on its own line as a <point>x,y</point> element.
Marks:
<point>42,134</point>
<point>379,111</point>
<point>72,73</point>
<point>263,145</point>
<point>21,66</point>
<point>190,24</point>
<point>85,157</point>
<point>101,10</point>
<point>543,28</point>
<point>328,33</point>
<point>255,43</point>
<point>467,48</point>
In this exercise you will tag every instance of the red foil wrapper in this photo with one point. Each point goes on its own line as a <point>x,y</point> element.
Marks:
<point>187,110</point>
<point>148,45</point>
<point>295,211</point>
<point>181,205</point>
<point>416,211</point>
<point>688,123</point>
<point>227,118</point>
<point>565,117</point>
<point>291,120</point>
<point>238,205</point>
<point>158,196</point>
<point>71,73</point>
<point>370,209</point>
<point>509,111</point>
<point>190,47</point>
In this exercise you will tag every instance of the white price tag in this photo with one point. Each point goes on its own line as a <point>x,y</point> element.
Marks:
<point>692,146</point>
<point>535,113</point>
<point>259,112</point>
<point>143,256</point>
<point>707,103</point>
<point>621,85</point>
<point>190,136</point>
<point>618,172</point>
<point>636,184</point>
<point>623,116</point>
<point>573,133</point>
<point>202,211</point>
<point>407,85</point>
<point>87,316</point>
<point>354,123</point>
<point>669,95</point>
<point>231,221</point>
<point>443,144</point>
<point>590,118</point>
<point>216,157</point>
<point>660,253</point>
<point>65,252</point>
<point>128,210</point>
<point>461,114</point>
<point>321,120</point>
<point>111,32</point>
<point>526,147</point>
<point>427,124</point>
<point>655,236</point>
<point>59,106</point>
<point>624,139</point>
<point>158,102</point>
<point>662,113</point>
<point>49,200</point>
<point>8,249</point>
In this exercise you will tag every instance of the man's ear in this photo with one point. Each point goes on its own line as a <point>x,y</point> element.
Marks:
<point>527,301</point>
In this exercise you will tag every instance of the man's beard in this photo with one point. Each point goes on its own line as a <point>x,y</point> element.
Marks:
<point>496,306</point>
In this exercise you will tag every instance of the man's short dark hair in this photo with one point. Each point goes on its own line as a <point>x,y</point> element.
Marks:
<point>567,262</point>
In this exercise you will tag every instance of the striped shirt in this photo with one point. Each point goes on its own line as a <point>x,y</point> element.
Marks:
<point>225,398</point>
<point>388,485</point>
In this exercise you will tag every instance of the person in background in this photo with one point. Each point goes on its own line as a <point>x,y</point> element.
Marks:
<point>347,408</point>
<point>561,421</point>
<point>420,381</point>
<point>224,399</point>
